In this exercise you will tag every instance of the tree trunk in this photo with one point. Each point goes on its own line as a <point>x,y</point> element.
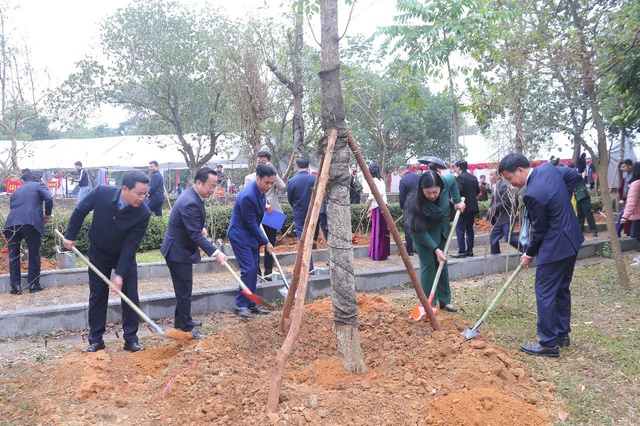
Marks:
<point>343,286</point>
<point>298,89</point>
<point>602,160</point>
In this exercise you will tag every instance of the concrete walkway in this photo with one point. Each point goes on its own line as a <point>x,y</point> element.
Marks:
<point>64,303</point>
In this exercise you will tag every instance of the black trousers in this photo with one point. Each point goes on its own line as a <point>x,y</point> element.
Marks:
<point>99,300</point>
<point>272,233</point>
<point>15,235</point>
<point>182,277</point>
<point>464,232</point>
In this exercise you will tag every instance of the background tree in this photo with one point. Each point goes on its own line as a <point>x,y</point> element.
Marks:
<point>19,98</point>
<point>162,62</point>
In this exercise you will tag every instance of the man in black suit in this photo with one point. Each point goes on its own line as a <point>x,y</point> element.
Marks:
<point>26,222</point>
<point>555,240</point>
<point>120,220</point>
<point>468,186</point>
<point>155,198</point>
<point>408,186</point>
<point>299,195</point>
<point>185,235</point>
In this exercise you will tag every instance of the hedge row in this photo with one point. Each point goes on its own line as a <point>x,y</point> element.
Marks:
<point>217,224</point>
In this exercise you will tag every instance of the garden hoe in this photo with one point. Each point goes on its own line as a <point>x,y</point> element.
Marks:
<point>245,290</point>
<point>284,291</point>
<point>418,312</point>
<point>174,334</point>
<point>470,333</point>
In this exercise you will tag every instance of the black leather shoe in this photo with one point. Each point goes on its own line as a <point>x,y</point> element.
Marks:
<point>16,290</point>
<point>133,347</point>
<point>448,308</point>
<point>595,233</point>
<point>469,254</point>
<point>243,312</point>
<point>538,350</point>
<point>259,310</point>
<point>197,334</point>
<point>94,347</point>
<point>459,255</point>
<point>35,288</point>
<point>563,342</point>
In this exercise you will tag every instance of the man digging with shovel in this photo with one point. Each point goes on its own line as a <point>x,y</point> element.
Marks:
<point>555,239</point>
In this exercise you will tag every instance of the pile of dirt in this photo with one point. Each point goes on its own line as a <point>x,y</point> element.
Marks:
<point>415,376</point>
<point>45,264</point>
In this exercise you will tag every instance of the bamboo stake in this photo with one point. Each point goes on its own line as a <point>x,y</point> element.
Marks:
<point>396,235</point>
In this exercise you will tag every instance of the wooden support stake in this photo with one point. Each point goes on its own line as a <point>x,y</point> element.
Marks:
<point>307,236</point>
<point>396,235</point>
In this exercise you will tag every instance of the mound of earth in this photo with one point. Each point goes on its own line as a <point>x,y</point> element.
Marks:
<point>45,264</point>
<point>415,376</point>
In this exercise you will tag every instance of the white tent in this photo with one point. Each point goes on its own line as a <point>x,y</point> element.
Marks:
<point>113,153</point>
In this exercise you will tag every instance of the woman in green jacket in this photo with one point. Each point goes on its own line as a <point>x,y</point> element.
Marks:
<point>427,217</point>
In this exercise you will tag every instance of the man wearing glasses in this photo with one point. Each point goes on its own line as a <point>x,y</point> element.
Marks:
<point>180,247</point>
<point>120,220</point>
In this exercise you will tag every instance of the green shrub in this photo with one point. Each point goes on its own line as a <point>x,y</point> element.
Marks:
<point>483,206</point>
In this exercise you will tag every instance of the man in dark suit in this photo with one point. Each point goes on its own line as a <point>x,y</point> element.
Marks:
<point>26,222</point>
<point>120,220</point>
<point>246,237</point>
<point>555,239</point>
<point>468,186</point>
<point>500,213</point>
<point>408,187</point>
<point>155,198</point>
<point>185,235</point>
<point>299,193</point>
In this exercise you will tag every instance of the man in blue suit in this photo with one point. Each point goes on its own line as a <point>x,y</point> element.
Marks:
<point>120,220</point>
<point>555,239</point>
<point>26,222</point>
<point>246,237</point>
<point>156,189</point>
<point>408,185</point>
<point>299,193</point>
<point>185,235</point>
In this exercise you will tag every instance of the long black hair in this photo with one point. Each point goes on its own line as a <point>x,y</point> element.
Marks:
<point>413,217</point>
<point>635,172</point>
<point>374,169</point>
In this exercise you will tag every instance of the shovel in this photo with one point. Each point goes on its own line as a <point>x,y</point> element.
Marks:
<point>245,290</point>
<point>418,312</point>
<point>470,333</point>
<point>285,290</point>
<point>171,334</point>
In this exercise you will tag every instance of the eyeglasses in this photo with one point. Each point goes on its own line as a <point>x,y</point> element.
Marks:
<point>140,195</point>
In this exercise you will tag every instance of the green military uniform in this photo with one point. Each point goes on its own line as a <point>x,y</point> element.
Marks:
<point>436,214</point>
<point>583,206</point>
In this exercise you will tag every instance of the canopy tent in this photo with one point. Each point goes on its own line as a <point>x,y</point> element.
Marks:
<point>113,153</point>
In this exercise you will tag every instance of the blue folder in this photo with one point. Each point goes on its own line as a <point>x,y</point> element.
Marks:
<point>274,220</point>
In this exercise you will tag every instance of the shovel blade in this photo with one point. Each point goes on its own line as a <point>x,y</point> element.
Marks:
<point>283,291</point>
<point>418,312</point>
<point>470,333</point>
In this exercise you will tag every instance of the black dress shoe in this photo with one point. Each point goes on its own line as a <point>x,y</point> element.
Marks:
<point>35,288</point>
<point>243,312</point>
<point>197,334</point>
<point>133,347</point>
<point>16,290</point>
<point>469,254</point>
<point>459,255</point>
<point>563,342</point>
<point>259,310</point>
<point>538,350</point>
<point>448,308</point>
<point>94,347</point>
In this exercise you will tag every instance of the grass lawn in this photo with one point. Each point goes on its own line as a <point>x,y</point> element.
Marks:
<point>598,375</point>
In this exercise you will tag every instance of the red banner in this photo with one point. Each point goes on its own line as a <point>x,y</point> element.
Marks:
<point>12,185</point>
